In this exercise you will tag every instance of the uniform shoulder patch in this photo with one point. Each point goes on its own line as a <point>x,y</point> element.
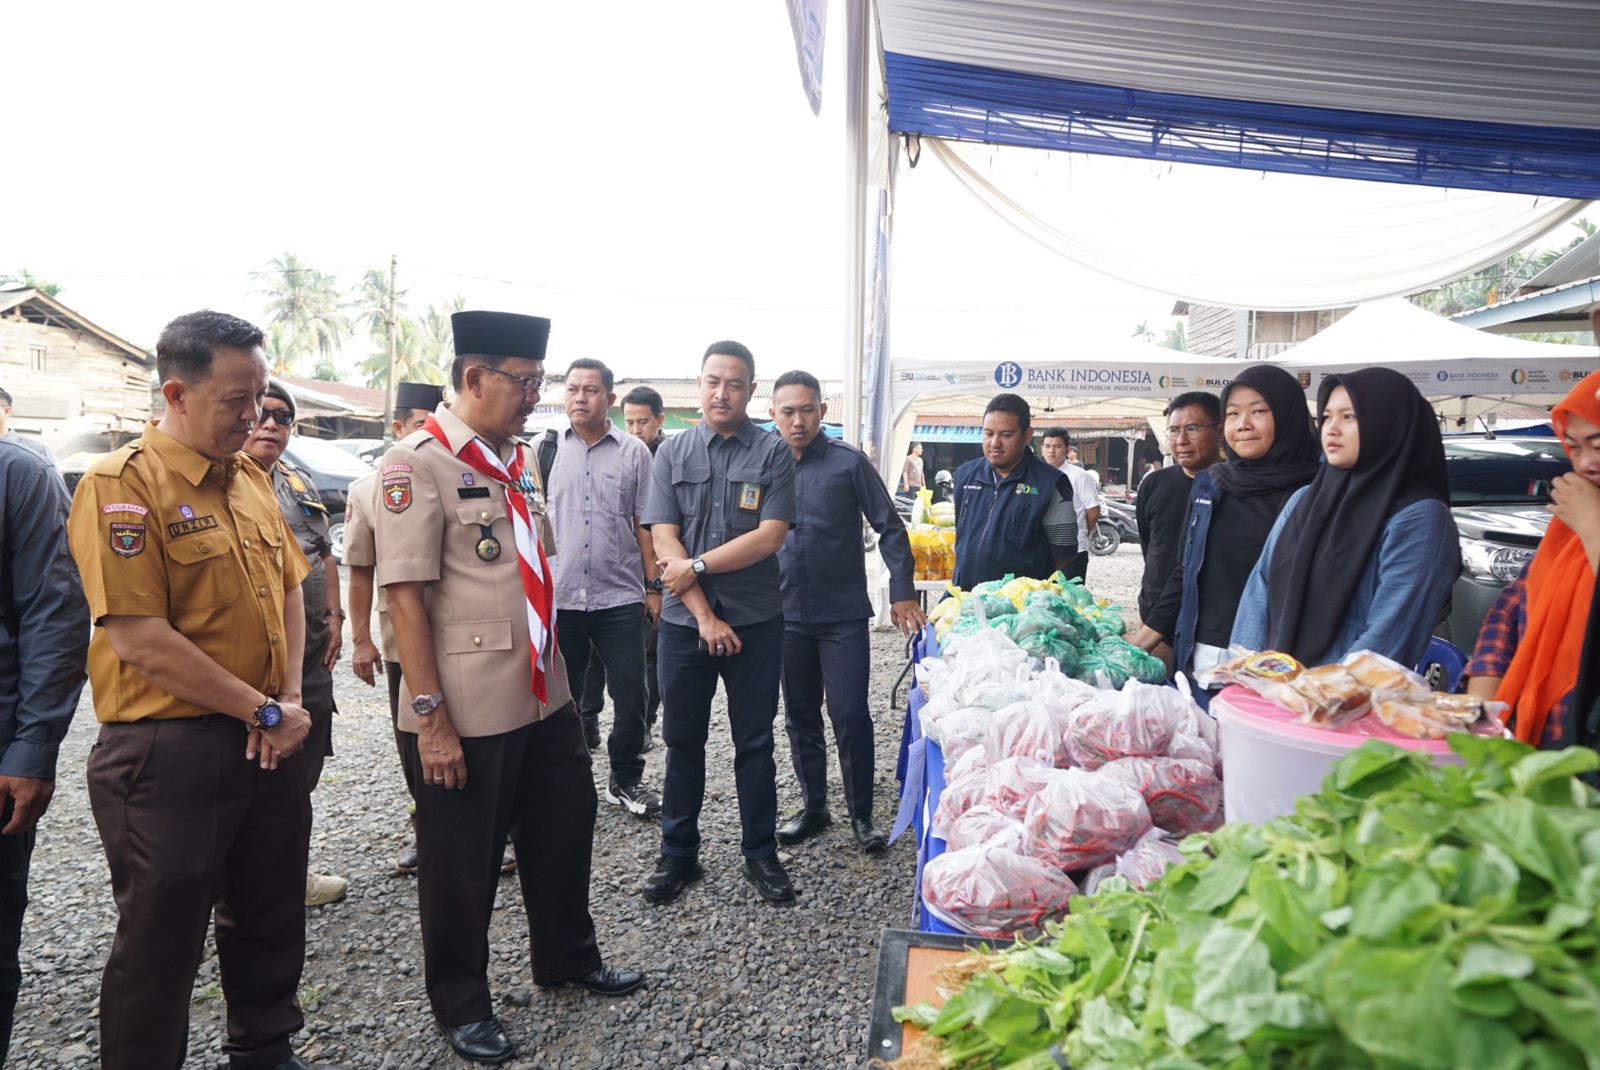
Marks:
<point>127,540</point>
<point>397,493</point>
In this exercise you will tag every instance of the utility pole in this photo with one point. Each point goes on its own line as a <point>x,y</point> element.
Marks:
<point>388,330</point>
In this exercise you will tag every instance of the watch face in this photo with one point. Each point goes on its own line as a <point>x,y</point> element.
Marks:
<point>422,705</point>
<point>269,715</point>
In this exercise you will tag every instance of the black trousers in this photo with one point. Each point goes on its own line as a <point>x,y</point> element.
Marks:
<point>688,683</point>
<point>1078,568</point>
<point>615,638</point>
<point>187,823</point>
<point>534,783</point>
<point>829,661</point>
<point>16,852</point>
<point>594,684</point>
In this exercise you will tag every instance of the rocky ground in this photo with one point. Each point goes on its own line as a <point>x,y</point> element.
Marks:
<point>733,983</point>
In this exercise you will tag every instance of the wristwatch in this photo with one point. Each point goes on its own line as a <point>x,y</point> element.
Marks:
<point>654,586</point>
<point>699,566</point>
<point>267,715</point>
<point>334,613</point>
<point>423,705</point>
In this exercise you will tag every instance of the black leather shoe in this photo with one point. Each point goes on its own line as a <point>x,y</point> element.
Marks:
<point>482,1042</point>
<point>607,981</point>
<point>293,1062</point>
<point>769,878</point>
<point>673,874</point>
<point>804,825</point>
<point>869,838</point>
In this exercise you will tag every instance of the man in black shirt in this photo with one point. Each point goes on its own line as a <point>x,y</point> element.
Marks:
<point>1194,432</point>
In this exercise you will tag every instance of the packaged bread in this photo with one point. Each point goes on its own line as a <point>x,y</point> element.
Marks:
<point>1327,695</point>
<point>1384,677</point>
<point>1334,695</point>
<point>1435,715</point>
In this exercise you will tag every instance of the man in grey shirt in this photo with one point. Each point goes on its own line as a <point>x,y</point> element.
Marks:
<point>44,646</point>
<point>33,445</point>
<point>721,503</point>
<point>607,587</point>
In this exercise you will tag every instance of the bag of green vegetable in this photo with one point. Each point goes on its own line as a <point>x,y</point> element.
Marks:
<point>989,606</point>
<point>1407,915</point>
<point>1075,593</point>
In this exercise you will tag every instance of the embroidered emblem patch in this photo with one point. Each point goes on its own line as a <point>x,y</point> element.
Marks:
<point>397,494</point>
<point>467,480</point>
<point>296,483</point>
<point>127,540</point>
<point>750,496</point>
<point>191,526</point>
<point>124,507</point>
<point>186,511</point>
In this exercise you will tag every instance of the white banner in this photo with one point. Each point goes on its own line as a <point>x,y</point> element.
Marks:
<point>809,20</point>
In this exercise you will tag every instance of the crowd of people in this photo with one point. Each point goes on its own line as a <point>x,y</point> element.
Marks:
<point>191,581</point>
<point>1314,532</point>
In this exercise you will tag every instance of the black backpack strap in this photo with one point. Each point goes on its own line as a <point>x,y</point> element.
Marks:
<point>547,457</point>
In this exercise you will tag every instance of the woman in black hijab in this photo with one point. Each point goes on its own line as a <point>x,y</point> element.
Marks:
<point>1271,452</point>
<point>1363,558</point>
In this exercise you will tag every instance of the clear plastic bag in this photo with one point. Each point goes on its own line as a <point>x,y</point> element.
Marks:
<point>1182,794</point>
<point>1138,721</point>
<point>1031,729</point>
<point>1140,865</point>
<point>991,891</point>
<point>1079,819</point>
<point>986,826</point>
<point>958,797</point>
<point>1011,782</point>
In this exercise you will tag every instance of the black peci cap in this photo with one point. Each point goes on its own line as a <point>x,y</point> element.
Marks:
<point>500,334</point>
<point>418,396</point>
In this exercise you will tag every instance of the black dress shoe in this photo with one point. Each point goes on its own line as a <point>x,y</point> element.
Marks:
<point>606,981</point>
<point>869,838</point>
<point>803,826</point>
<point>673,874</point>
<point>482,1042</point>
<point>294,1062</point>
<point>769,878</point>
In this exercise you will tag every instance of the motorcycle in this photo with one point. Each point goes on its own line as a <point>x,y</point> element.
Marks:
<point>1116,526</point>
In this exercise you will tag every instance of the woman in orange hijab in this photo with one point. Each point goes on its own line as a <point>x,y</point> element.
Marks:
<point>1531,646</point>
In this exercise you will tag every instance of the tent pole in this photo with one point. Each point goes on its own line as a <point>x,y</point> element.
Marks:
<point>855,297</point>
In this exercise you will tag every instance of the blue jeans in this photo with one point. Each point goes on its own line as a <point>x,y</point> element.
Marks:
<point>688,682</point>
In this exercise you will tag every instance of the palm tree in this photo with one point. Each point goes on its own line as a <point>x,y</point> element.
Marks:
<point>424,347</point>
<point>1177,338</point>
<point>1143,332</point>
<point>1488,285</point>
<point>27,280</point>
<point>306,303</point>
<point>371,302</point>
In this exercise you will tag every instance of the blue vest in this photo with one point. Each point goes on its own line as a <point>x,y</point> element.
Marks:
<point>1000,522</point>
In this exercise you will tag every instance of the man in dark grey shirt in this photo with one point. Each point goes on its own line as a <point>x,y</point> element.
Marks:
<point>721,501</point>
<point>44,646</point>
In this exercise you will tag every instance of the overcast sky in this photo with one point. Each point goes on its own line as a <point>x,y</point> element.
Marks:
<point>649,175</point>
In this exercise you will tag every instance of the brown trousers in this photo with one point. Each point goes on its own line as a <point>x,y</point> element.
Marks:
<point>187,825</point>
<point>536,785</point>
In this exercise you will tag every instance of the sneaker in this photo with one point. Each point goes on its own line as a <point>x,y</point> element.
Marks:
<point>634,798</point>
<point>322,890</point>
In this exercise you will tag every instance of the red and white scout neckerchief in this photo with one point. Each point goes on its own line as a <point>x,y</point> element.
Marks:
<point>537,582</point>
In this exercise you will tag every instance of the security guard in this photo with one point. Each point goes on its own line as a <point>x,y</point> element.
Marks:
<point>193,581</point>
<point>721,502</point>
<point>307,518</point>
<point>1014,513</point>
<point>413,404</point>
<point>493,741</point>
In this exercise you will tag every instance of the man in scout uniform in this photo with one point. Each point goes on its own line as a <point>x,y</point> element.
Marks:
<point>492,740</point>
<point>196,783</point>
<point>307,518</point>
<point>721,502</point>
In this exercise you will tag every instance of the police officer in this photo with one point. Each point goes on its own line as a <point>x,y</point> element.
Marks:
<point>194,582</point>
<point>492,738</point>
<point>825,609</point>
<point>413,404</point>
<point>307,518</point>
<point>44,637</point>
<point>721,502</point>
<point>1014,512</point>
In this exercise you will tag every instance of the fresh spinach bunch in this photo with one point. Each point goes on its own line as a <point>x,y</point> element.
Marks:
<point>1407,915</point>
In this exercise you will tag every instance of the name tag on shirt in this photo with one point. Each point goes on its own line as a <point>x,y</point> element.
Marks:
<point>750,497</point>
<point>472,492</point>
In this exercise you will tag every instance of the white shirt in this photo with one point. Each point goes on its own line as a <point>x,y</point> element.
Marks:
<point>1085,496</point>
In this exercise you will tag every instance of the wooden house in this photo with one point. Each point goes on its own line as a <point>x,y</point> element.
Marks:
<point>75,385</point>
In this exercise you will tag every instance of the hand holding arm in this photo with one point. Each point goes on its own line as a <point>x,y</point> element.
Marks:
<point>444,764</point>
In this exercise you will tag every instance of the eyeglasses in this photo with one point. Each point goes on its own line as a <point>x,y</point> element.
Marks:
<point>531,384</point>
<point>281,417</point>
<point>1189,430</point>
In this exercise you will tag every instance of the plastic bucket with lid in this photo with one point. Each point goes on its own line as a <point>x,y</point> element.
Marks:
<point>1269,758</point>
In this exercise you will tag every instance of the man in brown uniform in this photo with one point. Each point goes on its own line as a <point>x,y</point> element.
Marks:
<point>493,741</point>
<point>307,518</point>
<point>193,582</point>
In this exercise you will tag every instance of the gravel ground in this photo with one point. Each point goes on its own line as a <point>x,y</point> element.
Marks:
<point>733,982</point>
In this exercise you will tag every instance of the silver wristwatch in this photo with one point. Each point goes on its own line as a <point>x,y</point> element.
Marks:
<point>699,566</point>
<point>423,705</point>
